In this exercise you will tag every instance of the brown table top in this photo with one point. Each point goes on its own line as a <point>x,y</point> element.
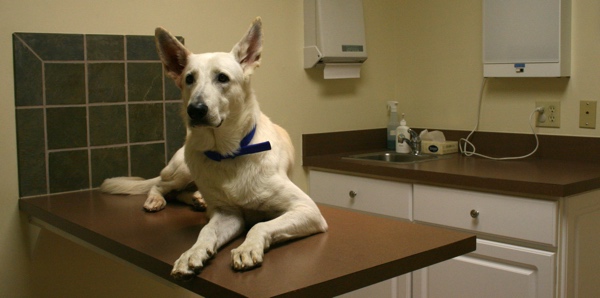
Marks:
<point>358,250</point>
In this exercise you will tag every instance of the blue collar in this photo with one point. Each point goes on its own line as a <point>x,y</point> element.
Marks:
<point>245,148</point>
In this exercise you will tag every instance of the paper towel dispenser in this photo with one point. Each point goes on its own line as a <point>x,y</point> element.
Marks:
<point>334,34</point>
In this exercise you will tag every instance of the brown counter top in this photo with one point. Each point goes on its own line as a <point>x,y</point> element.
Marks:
<point>540,176</point>
<point>357,251</point>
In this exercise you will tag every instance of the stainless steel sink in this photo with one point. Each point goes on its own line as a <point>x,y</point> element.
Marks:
<point>393,157</point>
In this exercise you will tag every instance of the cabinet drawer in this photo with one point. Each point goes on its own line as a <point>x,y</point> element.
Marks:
<point>515,217</point>
<point>364,194</point>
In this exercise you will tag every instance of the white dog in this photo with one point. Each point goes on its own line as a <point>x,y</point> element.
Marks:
<point>237,157</point>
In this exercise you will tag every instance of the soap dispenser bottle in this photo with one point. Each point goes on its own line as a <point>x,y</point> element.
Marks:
<point>402,131</point>
<point>392,125</point>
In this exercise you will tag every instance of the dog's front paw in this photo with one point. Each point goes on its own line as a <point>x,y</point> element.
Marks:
<point>247,256</point>
<point>155,203</point>
<point>191,263</point>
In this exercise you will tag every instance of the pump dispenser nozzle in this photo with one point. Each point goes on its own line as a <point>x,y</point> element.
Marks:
<point>392,106</point>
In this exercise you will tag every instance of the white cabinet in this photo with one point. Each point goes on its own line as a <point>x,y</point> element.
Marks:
<point>373,196</point>
<point>495,269</point>
<point>525,247</point>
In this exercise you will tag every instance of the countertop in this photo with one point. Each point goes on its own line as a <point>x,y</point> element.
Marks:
<point>544,177</point>
<point>358,250</point>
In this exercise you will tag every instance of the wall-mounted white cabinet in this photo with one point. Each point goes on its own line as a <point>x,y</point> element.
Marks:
<point>526,38</point>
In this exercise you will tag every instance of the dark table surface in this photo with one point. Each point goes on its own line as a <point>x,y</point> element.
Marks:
<point>358,250</point>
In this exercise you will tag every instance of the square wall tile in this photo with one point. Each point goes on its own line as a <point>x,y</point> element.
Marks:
<point>141,48</point>
<point>105,47</point>
<point>147,160</point>
<point>66,127</point>
<point>108,125</point>
<point>144,81</point>
<point>65,83</point>
<point>106,82</point>
<point>108,163</point>
<point>68,171</point>
<point>146,122</point>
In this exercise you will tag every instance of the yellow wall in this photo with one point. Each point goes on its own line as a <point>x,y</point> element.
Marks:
<point>439,71</point>
<point>425,54</point>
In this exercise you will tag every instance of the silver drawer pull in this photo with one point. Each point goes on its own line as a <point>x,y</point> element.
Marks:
<point>352,194</point>
<point>474,213</point>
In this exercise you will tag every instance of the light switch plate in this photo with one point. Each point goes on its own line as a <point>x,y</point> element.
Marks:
<point>587,114</point>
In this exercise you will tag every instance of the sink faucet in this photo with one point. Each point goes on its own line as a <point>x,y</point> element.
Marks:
<point>414,142</point>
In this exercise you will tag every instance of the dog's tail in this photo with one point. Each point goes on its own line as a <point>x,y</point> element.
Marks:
<point>128,185</point>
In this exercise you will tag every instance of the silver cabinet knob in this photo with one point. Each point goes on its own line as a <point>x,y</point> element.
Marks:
<point>352,194</point>
<point>474,213</point>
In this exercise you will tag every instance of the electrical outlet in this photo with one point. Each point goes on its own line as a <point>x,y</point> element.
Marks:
<point>551,115</point>
<point>587,114</point>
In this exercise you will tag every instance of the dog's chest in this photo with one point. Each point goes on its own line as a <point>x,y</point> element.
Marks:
<point>234,182</point>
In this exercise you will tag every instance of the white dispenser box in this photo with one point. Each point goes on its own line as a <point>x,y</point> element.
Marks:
<point>334,35</point>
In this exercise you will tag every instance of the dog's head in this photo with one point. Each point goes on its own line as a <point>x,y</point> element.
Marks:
<point>213,85</point>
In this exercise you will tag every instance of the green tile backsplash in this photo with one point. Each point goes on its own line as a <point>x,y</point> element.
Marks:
<point>89,107</point>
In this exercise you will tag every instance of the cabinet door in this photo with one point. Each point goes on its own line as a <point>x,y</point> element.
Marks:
<point>364,194</point>
<point>493,270</point>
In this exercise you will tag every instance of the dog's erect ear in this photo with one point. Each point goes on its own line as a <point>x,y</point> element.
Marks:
<point>172,53</point>
<point>247,51</point>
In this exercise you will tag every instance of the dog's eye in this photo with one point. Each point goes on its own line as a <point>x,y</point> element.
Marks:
<point>189,79</point>
<point>223,78</point>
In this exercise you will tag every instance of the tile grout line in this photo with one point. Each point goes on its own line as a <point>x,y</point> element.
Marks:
<point>99,61</point>
<point>95,104</point>
<point>105,146</point>
<point>87,110</point>
<point>164,96</point>
<point>125,57</point>
<point>45,124</point>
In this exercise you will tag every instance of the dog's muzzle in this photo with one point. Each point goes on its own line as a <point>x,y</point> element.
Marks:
<point>197,111</point>
<point>198,116</point>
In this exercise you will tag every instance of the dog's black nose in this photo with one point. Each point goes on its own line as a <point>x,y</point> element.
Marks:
<point>197,111</point>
